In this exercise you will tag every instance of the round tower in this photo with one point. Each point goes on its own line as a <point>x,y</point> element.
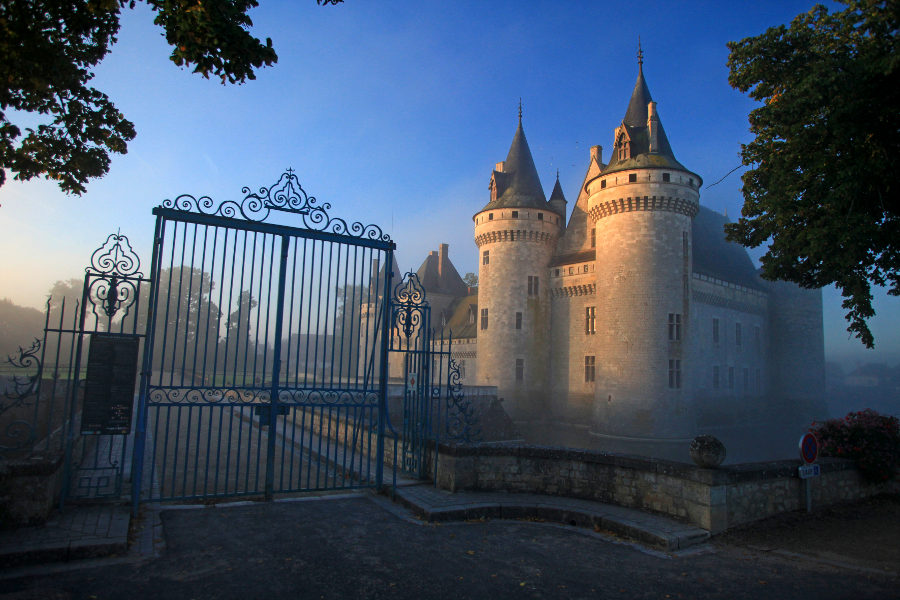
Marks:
<point>641,205</point>
<point>516,234</point>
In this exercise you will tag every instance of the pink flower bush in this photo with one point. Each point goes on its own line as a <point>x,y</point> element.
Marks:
<point>871,439</point>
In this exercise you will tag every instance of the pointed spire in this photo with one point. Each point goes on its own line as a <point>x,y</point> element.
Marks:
<point>636,115</point>
<point>519,184</point>
<point>557,193</point>
<point>640,56</point>
<point>520,111</point>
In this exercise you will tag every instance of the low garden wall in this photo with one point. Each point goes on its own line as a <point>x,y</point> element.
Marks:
<point>714,499</point>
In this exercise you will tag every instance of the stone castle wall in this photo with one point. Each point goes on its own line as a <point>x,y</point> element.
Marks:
<point>518,247</point>
<point>642,276</point>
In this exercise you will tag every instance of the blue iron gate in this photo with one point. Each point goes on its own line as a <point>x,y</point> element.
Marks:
<point>265,365</point>
<point>429,406</point>
<point>49,412</point>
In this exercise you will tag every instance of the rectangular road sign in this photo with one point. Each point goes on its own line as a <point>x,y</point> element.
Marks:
<point>807,471</point>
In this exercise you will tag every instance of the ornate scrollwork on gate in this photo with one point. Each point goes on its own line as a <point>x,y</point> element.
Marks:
<point>461,421</point>
<point>285,195</point>
<point>410,306</point>
<point>113,273</point>
<point>19,432</point>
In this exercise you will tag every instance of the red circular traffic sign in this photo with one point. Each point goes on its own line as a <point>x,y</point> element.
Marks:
<point>809,448</point>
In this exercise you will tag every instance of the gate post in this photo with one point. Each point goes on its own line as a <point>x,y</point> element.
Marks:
<point>276,366</point>
<point>140,428</point>
<point>383,375</point>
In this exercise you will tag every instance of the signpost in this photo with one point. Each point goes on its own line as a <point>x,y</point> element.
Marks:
<point>109,385</point>
<point>809,452</point>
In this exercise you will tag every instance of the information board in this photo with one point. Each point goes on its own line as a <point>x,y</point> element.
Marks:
<point>109,385</point>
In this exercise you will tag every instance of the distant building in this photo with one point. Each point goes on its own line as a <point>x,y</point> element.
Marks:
<point>636,318</point>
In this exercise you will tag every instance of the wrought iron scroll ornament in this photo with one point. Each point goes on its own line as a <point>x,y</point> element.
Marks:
<point>409,300</point>
<point>285,195</point>
<point>461,423</point>
<point>19,433</point>
<point>114,266</point>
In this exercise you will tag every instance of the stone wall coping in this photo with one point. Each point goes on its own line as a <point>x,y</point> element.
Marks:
<point>724,475</point>
<point>31,466</point>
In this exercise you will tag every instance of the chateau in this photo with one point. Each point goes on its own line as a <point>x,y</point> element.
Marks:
<point>633,317</point>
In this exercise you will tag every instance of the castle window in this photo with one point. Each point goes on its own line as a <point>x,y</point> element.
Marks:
<point>518,320</point>
<point>571,270</point>
<point>691,181</point>
<point>590,319</point>
<point>490,216</point>
<point>484,318</point>
<point>471,314</point>
<point>716,378</point>
<point>632,177</point>
<point>585,268</point>
<point>520,369</point>
<point>532,285</point>
<point>486,257</point>
<point>593,238</point>
<point>589,369</point>
<point>674,373</point>
<point>515,214</point>
<point>666,177</point>
<point>602,184</point>
<point>737,335</point>
<point>730,378</point>
<point>715,331</point>
<point>746,379</point>
<point>557,272</point>
<point>674,327</point>
<point>540,216</point>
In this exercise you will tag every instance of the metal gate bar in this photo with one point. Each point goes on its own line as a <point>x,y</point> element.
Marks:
<point>263,371</point>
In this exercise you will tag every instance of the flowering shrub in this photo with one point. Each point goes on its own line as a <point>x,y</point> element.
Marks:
<point>872,440</point>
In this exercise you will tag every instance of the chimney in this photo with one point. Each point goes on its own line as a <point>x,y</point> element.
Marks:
<point>499,166</point>
<point>597,154</point>
<point>653,126</point>
<point>443,257</point>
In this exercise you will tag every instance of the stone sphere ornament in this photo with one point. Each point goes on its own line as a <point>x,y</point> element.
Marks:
<point>707,451</point>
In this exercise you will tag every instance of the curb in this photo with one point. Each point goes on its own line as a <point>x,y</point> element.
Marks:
<point>674,536</point>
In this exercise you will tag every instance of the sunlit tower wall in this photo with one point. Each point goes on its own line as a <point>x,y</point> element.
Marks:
<point>516,233</point>
<point>642,205</point>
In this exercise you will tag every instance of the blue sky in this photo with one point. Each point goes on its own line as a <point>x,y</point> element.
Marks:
<point>395,113</point>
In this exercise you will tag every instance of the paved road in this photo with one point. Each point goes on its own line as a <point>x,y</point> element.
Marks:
<point>364,547</point>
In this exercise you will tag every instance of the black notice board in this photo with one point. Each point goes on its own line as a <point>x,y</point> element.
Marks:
<point>109,386</point>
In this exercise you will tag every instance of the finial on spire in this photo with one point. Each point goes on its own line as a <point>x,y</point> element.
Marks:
<point>640,55</point>
<point>520,110</point>
<point>557,173</point>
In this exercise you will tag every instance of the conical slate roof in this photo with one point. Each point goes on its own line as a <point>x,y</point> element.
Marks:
<point>557,193</point>
<point>518,185</point>
<point>636,115</point>
<point>635,123</point>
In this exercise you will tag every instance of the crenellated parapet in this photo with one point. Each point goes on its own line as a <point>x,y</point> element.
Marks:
<point>606,207</point>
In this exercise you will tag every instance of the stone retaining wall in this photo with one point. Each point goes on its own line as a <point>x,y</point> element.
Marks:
<point>714,499</point>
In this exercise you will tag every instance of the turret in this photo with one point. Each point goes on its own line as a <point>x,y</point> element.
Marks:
<point>516,233</point>
<point>558,200</point>
<point>641,206</point>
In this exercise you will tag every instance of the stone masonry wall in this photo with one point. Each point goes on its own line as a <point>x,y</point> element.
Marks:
<point>714,499</point>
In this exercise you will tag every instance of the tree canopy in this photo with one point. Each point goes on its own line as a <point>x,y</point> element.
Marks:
<point>822,188</point>
<point>48,50</point>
